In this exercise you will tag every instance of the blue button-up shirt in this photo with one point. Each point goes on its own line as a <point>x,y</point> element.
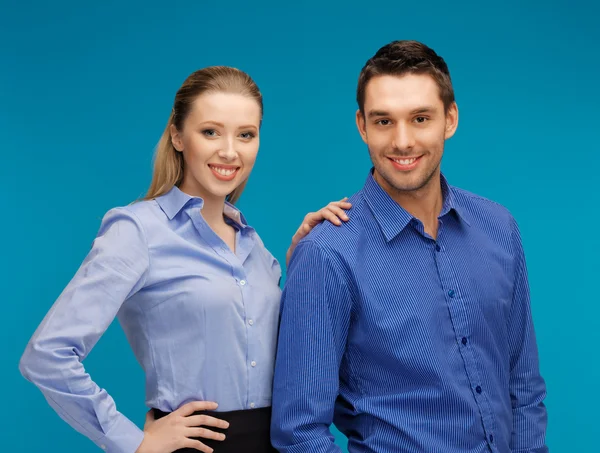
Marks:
<point>409,344</point>
<point>202,320</point>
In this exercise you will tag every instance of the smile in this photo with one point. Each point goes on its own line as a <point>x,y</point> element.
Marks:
<point>405,164</point>
<point>224,172</point>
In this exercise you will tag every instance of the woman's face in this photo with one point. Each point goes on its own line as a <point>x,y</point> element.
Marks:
<point>219,141</point>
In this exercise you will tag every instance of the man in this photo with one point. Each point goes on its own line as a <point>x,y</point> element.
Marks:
<point>409,327</point>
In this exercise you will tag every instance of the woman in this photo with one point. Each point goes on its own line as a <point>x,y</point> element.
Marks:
<point>192,285</point>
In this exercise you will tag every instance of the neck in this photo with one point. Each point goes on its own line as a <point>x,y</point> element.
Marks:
<point>424,204</point>
<point>212,212</point>
<point>213,206</point>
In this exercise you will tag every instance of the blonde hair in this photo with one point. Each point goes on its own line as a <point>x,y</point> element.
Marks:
<point>168,162</point>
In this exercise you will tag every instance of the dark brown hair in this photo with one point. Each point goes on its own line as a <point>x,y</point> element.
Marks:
<point>406,57</point>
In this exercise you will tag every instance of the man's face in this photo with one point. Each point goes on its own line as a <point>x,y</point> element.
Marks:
<point>405,127</point>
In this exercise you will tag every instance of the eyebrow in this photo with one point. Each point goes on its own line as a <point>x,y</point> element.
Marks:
<point>204,123</point>
<point>374,113</point>
<point>215,123</point>
<point>424,109</point>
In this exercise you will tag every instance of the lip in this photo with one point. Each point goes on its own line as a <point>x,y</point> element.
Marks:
<point>408,167</point>
<point>221,177</point>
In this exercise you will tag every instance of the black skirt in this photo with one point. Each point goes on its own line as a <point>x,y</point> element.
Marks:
<point>249,431</point>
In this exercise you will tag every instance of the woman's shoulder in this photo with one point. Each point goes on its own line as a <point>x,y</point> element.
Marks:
<point>145,214</point>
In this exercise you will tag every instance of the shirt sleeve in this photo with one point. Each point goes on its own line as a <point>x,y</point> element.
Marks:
<point>315,317</point>
<point>113,270</point>
<point>527,387</point>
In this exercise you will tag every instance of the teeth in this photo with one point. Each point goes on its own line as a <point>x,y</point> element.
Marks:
<point>405,161</point>
<point>224,171</point>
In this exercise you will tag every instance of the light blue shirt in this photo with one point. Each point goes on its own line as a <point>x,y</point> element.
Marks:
<point>201,320</point>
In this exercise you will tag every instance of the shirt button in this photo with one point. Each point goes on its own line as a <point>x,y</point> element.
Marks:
<point>437,248</point>
<point>252,405</point>
<point>491,438</point>
<point>251,322</point>
<point>103,447</point>
<point>242,282</point>
<point>253,363</point>
<point>464,340</point>
<point>451,293</point>
<point>478,389</point>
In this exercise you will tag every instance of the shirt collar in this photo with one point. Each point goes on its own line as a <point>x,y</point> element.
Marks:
<point>451,203</point>
<point>175,200</point>
<point>236,215</point>
<point>393,218</point>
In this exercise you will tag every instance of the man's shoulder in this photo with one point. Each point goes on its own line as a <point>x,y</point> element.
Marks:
<point>479,208</point>
<point>332,237</point>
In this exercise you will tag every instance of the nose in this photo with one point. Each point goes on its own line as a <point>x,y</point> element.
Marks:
<point>404,138</point>
<point>228,152</point>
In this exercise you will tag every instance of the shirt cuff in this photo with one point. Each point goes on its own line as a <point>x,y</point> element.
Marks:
<point>123,437</point>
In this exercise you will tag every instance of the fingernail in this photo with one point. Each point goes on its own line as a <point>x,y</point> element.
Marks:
<point>222,436</point>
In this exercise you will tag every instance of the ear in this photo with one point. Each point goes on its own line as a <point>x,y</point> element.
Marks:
<point>451,121</point>
<point>361,125</point>
<point>176,138</point>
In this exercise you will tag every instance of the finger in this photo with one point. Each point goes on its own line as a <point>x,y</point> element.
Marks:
<point>204,433</point>
<point>196,445</point>
<point>309,216</point>
<point>324,214</point>
<point>341,204</point>
<point>296,238</point>
<point>339,212</point>
<point>328,215</point>
<point>196,406</point>
<point>301,233</point>
<point>205,420</point>
<point>313,221</point>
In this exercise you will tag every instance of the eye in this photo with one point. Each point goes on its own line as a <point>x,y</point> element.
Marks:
<point>383,122</point>
<point>247,135</point>
<point>209,132</point>
<point>421,119</point>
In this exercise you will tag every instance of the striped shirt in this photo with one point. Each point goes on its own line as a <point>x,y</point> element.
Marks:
<point>406,343</point>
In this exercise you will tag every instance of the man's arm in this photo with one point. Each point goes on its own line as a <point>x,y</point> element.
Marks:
<point>527,387</point>
<point>315,316</point>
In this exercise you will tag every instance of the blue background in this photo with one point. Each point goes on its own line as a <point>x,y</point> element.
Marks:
<point>85,92</point>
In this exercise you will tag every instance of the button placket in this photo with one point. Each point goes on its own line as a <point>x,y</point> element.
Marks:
<point>457,305</point>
